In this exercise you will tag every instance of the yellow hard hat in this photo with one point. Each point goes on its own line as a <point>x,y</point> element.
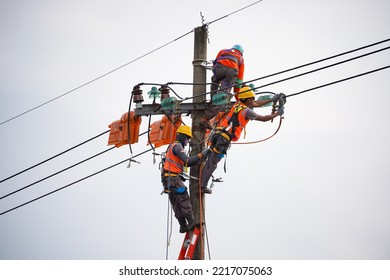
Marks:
<point>246,92</point>
<point>185,129</point>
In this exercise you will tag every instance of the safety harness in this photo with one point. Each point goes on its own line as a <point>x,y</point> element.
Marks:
<point>223,135</point>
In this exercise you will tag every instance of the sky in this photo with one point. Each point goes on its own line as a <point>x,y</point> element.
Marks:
<point>317,190</point>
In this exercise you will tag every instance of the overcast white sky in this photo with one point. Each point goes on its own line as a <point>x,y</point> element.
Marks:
<point>318,190</point>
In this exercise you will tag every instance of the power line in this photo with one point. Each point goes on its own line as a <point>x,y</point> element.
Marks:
<point>107,168</point>
<point>70,184</point>
<point>302,66</point>
<point>118,68</point>
<point>53,157</point>
<point>236,11</point>
<point>298,75</point>
<point>324,67</point>
<point>95,79</point>
<point>320,60</point>
<point>59,154</point>
<point>56,173</point>
<point>339,81</point>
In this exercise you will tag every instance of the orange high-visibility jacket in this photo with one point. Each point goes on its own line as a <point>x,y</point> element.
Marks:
<point>238,111</point>
<point>173,163</point>
<point>232,59</point>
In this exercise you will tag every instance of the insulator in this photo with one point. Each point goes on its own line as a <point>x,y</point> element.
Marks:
<point>219,98</point>
<point>265,97</point>
<point>154,93</point>
<point>164,89</point>
<point>168,103</point>
<point>137,94</point>
<point>252,86</point>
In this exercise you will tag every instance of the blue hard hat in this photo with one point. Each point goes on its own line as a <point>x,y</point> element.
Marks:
<point>239,48</point>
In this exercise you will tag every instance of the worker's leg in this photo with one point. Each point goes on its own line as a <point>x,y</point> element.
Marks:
<point>229,80</point>
<point>219,74</point>
<point>209,167</point>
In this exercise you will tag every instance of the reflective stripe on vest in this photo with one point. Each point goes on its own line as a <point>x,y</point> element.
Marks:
<point>239,109</point>
<point>173,163</point>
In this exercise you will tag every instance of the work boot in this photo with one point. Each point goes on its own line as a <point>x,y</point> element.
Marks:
<point>183,225</point>
<point>192,223</point>
<point>207,190</point>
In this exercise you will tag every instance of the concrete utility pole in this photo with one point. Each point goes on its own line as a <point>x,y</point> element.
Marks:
<point>199,88</point>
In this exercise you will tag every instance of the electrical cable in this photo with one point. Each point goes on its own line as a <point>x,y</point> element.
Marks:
<point>102,170</point>
<point>59,154</point>
<point>95,79</point>
<point>70,184</point>
<point>322,68</point>
<point>359,75</point>
<point>236,11</point>
<point>307,64</point>
<point>311,89</point>
<point>339,81</point>
<point>169,228</point>
<point>293,68</point>
<point>53,157</point>
<point>120,67</point>
<point>56,173</point>
<point>319,60</point>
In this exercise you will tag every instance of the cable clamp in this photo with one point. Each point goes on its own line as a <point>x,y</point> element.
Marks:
<point>132,160</point>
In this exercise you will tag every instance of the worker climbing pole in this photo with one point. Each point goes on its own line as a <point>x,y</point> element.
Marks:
<point>197,144</point>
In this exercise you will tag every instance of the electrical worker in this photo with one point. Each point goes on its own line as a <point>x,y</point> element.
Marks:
<point>231,126</point>
<point>228,70</point>
<point>177,161</point>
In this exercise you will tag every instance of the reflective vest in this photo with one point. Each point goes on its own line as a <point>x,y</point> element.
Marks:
<point>173,164</point>
<point>230,58</point>
<point>236,120</point>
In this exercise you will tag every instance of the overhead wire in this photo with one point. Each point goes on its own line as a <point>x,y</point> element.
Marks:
<point>57,155</point>
<point>265,85</point>
<point>341,80</point>
<point>305,65</point>
<point>107,168</point>
<point>331,83</point>
<point>72,183</point>
<point>236,11</point>
<point>56,173</point>
<point>95,79</point>
<point>53,157</point>
<point>322,68</point>
<point>120,67</point>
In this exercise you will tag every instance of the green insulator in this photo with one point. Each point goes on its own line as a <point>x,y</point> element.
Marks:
<point>265,97</point>
<point>252,86</point>
<point>219,98</point>
<point>168,103</point>
<point>154,93</point>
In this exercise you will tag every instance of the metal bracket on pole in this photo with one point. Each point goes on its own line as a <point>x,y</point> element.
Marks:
<point>155,109</point>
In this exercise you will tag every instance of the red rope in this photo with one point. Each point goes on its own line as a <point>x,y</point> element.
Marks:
<point>262,140</point>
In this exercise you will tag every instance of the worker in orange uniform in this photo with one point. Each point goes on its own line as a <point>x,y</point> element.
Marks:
<point>175,163</point>
<point>231,126</point>
<point>228,70</point>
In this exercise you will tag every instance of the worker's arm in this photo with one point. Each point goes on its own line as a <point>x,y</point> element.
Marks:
<point>252,115</point>
<point>179,151</point>
<point>260,103</point>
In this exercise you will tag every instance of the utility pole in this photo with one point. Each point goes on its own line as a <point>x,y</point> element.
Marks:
<point>199,88</point>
